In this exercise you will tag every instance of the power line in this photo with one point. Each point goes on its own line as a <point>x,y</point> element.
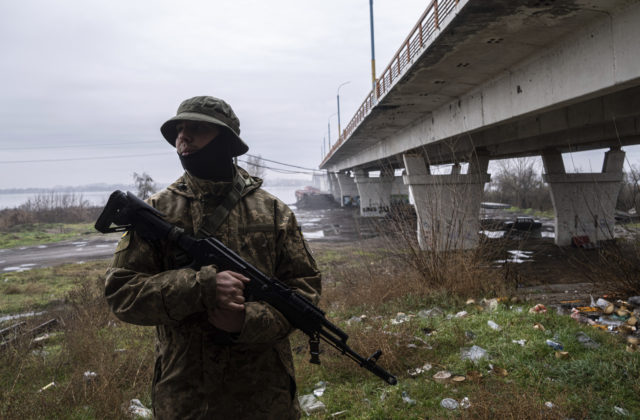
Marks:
<point>280,163</point>
<point>82,158</point>
<point>66,146</point>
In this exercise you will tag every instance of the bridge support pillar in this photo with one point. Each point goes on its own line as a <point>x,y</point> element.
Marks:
<point>584,203</point>
<point>399,191</point>
<point>447,206</point>
<point>334,187</point>
<point>349,195</point>
<point>375,193</point>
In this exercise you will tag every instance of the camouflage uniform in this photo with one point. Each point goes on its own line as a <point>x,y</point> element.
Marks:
<point>197,377</point>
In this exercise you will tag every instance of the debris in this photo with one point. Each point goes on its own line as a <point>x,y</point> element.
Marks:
<point>538,309</point>
<point>554,345</point>
<point>430,313</point>
<point>89,376</point>
<point>632,348</point>
<point>400,318</point>
<point>407,399</point>
<point>586,341</point>
<point>356,319</point>
<point>47,386</point>
<point>633,340</point>
<point>458,379</point>
<point>621,411</point>
<point>538,326</point>
<point>499,371</point>
<point>338,413</point>
<point>465,403</point>
<point>320,388</point>
<point>471,301</point>
<point>137,409</point>
<point>462,314</point>
<point>602,303</point>
<point>549,404</point>
<point>521,342</point>
<point>562,355</point>
<point>494,326</point>
<point>490,304</point>
<point>449,403</point>
<point>442,376</point>
<point>634,300</point>
<point>473,375</point>
<point>310,404</point>
<point>474,353</point>
<point>632,320</point>
<point>470,335</point>
<point>417,371</point>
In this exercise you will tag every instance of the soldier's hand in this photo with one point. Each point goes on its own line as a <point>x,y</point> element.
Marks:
<point>230,291</point>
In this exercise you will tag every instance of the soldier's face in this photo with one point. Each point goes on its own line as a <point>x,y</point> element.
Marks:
<point>194,135</point>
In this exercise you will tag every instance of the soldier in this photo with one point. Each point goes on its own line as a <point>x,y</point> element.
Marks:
<point>216,355</point>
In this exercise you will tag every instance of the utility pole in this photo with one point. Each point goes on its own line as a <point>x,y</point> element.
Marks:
<point>373,49</point>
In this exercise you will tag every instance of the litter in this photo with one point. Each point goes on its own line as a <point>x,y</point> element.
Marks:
<point>465,403</point>
<point>430,313</point>
<point>490,304</point>
<point>586,341</point>
<point>310,404</point>
<point>621,411</point>
<point>407,399</point>
<point>320,388</point>
<point>538,309</point>
<point>47,386</point>
<point>499,371</point>
<point>138,410</point>
<point>538,326</point>
<point>494,326</point>
<point>521,342</point>
<point>474,353</point>
<point>442,376</point>
<point>562,355</point>
<point>462,314</point>
<point>449,403</point>
<point>89,376</point>
<point>554,345</point>
<point>417,371</point>
<point>549,404</point>
<point>400,318</point>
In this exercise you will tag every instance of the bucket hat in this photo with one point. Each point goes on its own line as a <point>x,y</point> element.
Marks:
<point>211,110</point>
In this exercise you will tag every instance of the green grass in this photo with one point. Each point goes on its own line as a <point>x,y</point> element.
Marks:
<point>549,214</point>
<point>42,233</point>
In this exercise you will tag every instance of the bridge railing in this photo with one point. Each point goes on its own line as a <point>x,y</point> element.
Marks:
<point>427,25</point>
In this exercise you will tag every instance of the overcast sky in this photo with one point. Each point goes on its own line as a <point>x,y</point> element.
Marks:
<point>86,84</point>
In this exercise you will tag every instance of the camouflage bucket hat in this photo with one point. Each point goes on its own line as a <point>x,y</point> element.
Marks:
<point>211,110</point>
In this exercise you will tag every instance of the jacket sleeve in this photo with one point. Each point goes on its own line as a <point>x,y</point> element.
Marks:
<point>296,267</point>
<point>139,291</point>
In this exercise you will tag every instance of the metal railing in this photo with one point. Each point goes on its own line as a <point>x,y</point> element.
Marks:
<point>427,25</point>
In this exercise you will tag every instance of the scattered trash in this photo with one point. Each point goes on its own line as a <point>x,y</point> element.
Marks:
<point>494,326</point>
<point>465,403</point>
<point>449,404</point>
<point>407,399</point>
<point>310,404</point>
<point>89,376</point>
<point>137,409</point>
<point>538,326</point>
<point>474,353</point>
<point>490,304</point>
<point>521,342</point>
<point>621,411</point>
<point>538,309</point>
<point>549,404</point>
<point>400,318</point>
<point>633,340</point>
<point>562,355</point>
<point>554,345</point>
<point>499,371</point>
<point>430,313</point>
<point>586,341</point>
<point>635,301</point>
<point>417,371</point>
<point>442,376</point>
<point>470,301</point>
<point>458,379</point>
<point>320,388</point>
<point>474,375</point>
<point>470,335</point>
<point>47,386</point>
<point>338,413</point>
<point>356,319</point>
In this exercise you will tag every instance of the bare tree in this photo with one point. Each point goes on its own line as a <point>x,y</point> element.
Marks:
<point>519,182</point>
<point>144,185</point>
<point>255,166</point>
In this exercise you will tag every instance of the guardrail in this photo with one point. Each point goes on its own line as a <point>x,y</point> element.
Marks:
<point>427,25</point>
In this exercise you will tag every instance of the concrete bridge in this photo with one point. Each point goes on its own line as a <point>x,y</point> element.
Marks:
<point>477,80</point>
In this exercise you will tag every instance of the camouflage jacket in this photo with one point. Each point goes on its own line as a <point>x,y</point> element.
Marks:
<point>195,376</point>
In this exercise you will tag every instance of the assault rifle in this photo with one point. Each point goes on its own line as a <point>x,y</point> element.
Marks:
<point>126,212</point>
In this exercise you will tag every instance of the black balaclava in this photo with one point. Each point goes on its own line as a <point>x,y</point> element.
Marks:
<point>213,162</point>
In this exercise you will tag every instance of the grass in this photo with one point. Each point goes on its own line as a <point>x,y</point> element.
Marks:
<point>42,233</point>
<point>359,279</point>
<point>548,214</point>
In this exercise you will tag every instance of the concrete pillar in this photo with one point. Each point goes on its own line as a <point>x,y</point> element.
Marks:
<point>349,195</point>
<point>334,187</point>
<point>375,193</point>
<point>399,191</point>
<point>448,206</point>
<point>584,203</point>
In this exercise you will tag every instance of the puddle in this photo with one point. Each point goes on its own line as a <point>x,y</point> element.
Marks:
<point>18,316</point>
<point>103,246</point>
<point>42,246</point>
<point>545,234</point>
<point>517,257</point>
<point>493,234</point>
<point>314,235</point>
<point>79,244</point>
<point>16,269</point>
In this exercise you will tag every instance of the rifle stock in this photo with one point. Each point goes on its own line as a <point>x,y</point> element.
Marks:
<point>127,212</point>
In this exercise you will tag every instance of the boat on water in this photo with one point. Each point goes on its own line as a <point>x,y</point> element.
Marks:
<point>312,198</point>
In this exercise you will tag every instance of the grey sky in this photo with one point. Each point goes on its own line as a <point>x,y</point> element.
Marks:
<point>87,79</point>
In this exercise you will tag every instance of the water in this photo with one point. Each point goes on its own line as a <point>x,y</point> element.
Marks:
<point>99,198</point>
